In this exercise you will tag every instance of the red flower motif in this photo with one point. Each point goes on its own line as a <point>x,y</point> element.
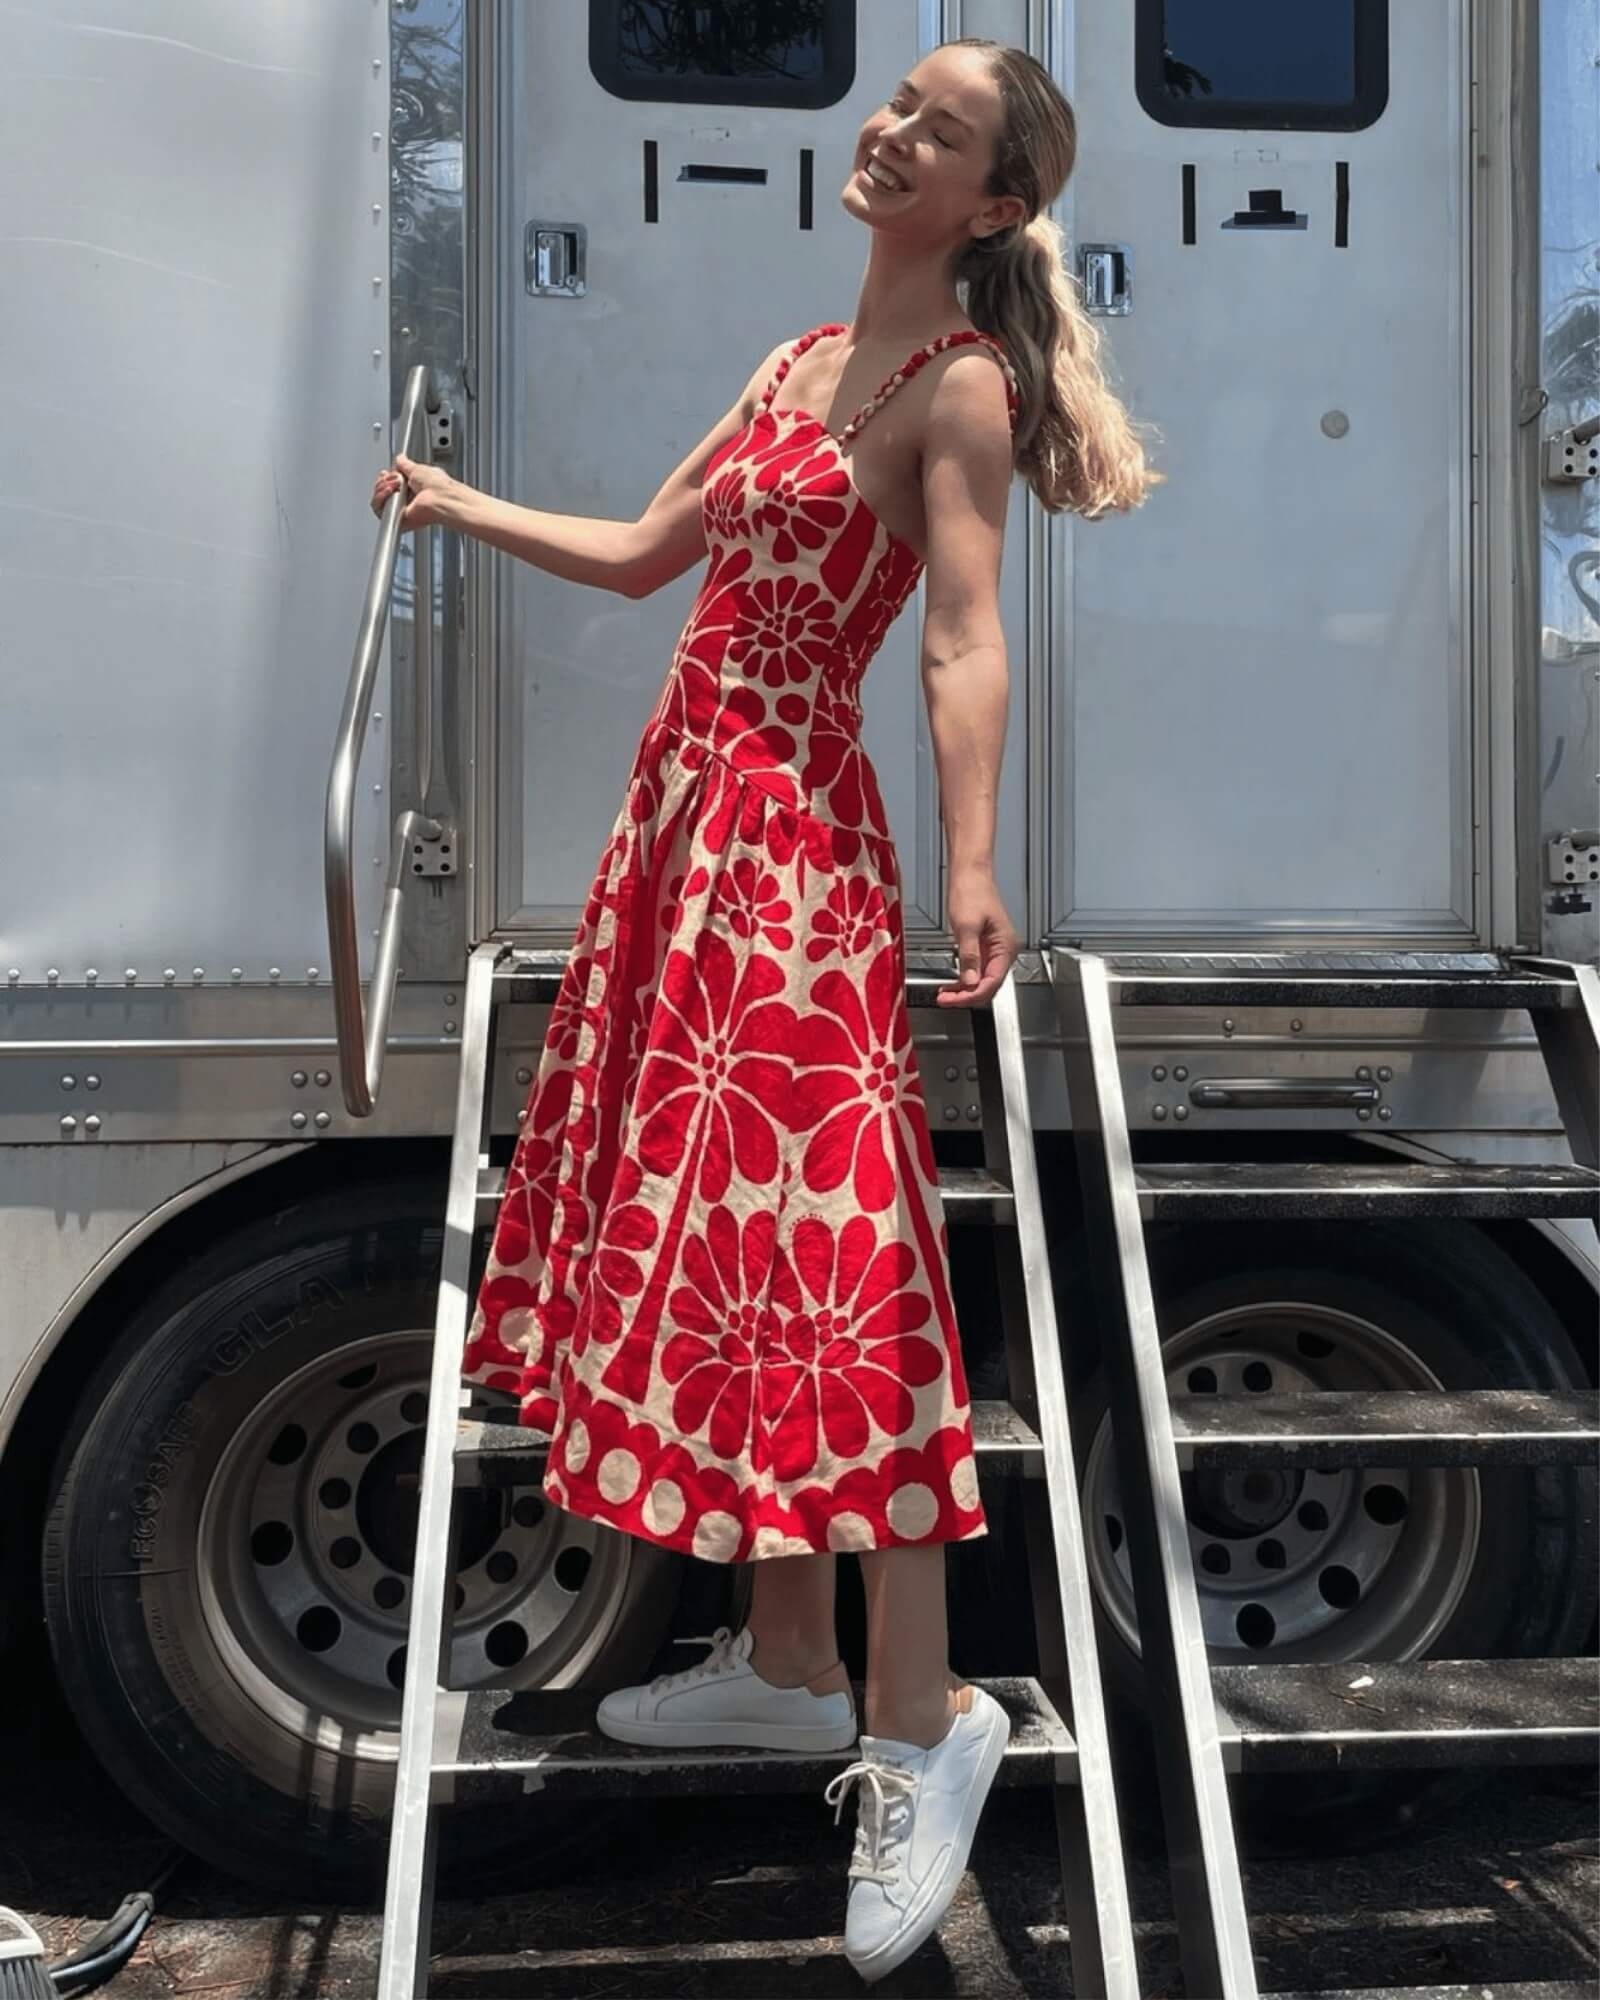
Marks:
<point>718,1068</point>
<point>752,901</point>
<point>724,509</point>
<point>847,1355</point>
<point>718,1313</point>
<point>757,746</point>
<point>787,634</point>
<point>616,1275</point>
<point>688,703</point>
<point>856,1081</point>
<point>804,499</point>
<point>840,767</point>
<point>850,920</point>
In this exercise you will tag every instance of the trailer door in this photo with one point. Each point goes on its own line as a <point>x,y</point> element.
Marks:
<point>1262,721</point>
<point>686,163</point>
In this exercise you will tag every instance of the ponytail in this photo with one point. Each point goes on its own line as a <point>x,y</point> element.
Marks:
<point>1075,444</point>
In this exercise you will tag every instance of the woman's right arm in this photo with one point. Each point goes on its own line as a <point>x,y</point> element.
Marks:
<point>633,558</point>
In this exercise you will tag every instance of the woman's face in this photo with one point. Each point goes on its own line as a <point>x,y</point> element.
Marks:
<point>923,158</point>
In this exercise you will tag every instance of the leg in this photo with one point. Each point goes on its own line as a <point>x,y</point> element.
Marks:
<point>791,1624</point>
<point>910,1693</point>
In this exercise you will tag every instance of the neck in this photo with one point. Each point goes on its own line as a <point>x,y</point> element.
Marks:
<point>905,290</point>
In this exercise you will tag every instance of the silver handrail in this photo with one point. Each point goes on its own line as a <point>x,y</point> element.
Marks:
<point>363,1038</point>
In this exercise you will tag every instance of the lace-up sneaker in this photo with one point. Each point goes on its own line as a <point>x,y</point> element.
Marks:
<point>724,1703</point>
<point>916,1813</point>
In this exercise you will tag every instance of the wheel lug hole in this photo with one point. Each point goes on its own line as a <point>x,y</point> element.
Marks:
<point>1312,1516</point>
<point>1385,1504</point>
<point>1257,1377</point>
<point>287,1446</point>
<point>345,1552</point>
<point>334,1493</point>
<point>1270,1554</point>
<point>501,1566</point>
<point>527,1510</point>
<point>271,1543</point>
<point>388,1593</point>
<point>414,1408</point>
<point>362,1438</point>
<point>1202,1381</point>
<point>1215,1559</point>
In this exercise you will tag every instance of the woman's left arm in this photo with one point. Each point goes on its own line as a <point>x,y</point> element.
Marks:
<point>966,477</point>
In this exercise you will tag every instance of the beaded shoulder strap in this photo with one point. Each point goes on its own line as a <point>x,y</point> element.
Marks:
<point>920,359</point>
<point>796,349</point>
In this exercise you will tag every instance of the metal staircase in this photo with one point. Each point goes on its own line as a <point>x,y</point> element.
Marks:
<point>456,1744</point>
<point>1210,1721</point>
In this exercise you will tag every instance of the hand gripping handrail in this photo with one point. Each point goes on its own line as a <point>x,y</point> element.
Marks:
<point>362,1040</point>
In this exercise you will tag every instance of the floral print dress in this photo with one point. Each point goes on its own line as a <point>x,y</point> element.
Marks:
<point>719,1277</point>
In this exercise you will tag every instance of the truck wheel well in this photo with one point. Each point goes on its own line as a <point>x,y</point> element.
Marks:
<point>46,1416</point>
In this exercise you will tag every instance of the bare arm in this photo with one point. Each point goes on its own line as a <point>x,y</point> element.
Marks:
<point>966,475</point>
<point>633,558</point>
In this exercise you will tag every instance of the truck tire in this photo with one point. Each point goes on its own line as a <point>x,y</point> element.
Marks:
<point>1447,1562</point>
<point>227,1555</point>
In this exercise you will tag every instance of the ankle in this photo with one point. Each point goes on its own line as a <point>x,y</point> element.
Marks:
<point>819,1670</point>
<point>924,1723</point>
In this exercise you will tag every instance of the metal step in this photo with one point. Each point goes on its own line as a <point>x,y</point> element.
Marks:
<point>490,1742</point>
<point>1335,1428</point>
<point>1471,981</point>
<point>1270,1191</point>
<point>506,1454</point>
<point>968,1194</point>
<point>1407,1714</point>
<point>1517,1989</point>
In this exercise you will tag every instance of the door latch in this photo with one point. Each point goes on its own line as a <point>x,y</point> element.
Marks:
<point>555,258</point>
<point>1105,271</point>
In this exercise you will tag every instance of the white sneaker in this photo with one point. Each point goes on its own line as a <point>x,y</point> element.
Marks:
<point>724,1703</point>
<point>916,1813</point>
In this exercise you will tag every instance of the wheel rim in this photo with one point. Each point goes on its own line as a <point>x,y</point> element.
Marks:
<point>1365,1562</point>
<point>305,1540</point>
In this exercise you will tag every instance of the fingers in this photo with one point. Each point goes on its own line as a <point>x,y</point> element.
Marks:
<point>979,970</point>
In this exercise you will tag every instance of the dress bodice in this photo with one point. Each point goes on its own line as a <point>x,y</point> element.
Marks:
<point>802,582</point>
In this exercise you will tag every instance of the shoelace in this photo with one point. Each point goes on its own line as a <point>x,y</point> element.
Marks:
<point>879,1828</point>
<point>719,1660</point>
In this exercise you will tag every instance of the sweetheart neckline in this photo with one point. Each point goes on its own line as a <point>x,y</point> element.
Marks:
<point>796,410</point>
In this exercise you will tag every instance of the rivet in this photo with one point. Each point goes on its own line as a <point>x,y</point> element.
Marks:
<point>324,1078</point>
<point>524,1076</point>
<point>312,973</point>
<point>298,1079</point>
<point>298,1120</point>
<point>972,1072</point>
<point>377,788</point>
<point>274,972</point>
<point>199,974</point>
<point>377,715</point>
<point>69,1083</point>
<point>377,352</point>
<point>450,1027</point>
<point>13,974</point>
<point>1158,1112</point>
<point>449,999</point>
<point>1180,1111</point>
<point>91,1123</point>
<point>1364,1114</point>
<point>522,1114</point>
<point>1385,1112</point>
<point>1385,1074</point>
<point>1227,1027</point>
<point>91,1083</point>
<point>69,1124</point>
<point>951,1073</point>
<point>52,974</point>
<point>377,430</point>
<point>973,1114</point>
<point>131,976</point>
<point>951,1114</point>
<point>323,1119</point>
<point>237,973</point>
<point>1159,1073</point>
<point>91,976</point>
<point>169,974</point>
<point>1363,1073</point>
<point>1180,1072</point>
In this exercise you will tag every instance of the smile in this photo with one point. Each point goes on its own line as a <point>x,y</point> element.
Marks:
<point>881,177</point>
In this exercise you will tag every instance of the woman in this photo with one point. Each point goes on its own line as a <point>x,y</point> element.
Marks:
<point>719,1278</point>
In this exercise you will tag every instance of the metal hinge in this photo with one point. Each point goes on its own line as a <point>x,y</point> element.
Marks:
<point>1573,455</point>
<point>1571,858</point>
<point>435,854</point>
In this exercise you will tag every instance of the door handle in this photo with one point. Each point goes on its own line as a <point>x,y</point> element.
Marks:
<point>1105,271</point>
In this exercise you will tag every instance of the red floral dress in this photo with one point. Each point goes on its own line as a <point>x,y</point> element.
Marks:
<point>719,1278</point>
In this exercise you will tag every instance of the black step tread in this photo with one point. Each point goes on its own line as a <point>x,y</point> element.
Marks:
<point>507,1454</point>
<point>968,1193</point>
<point>1247,1190</point>
<point>1340,1427</point>
<point>1517,1989</point>
<point>541,1739</point>
<point>1407,1713</point>
<point>1489,992</point>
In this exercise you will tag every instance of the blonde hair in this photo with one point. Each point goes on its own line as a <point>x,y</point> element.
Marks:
<point>1075,445</point>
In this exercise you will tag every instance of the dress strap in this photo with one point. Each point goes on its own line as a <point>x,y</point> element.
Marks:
<point>796,349</point>
<point>903,374</point>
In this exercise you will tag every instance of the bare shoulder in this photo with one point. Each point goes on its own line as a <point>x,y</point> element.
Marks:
<point>968,412</point>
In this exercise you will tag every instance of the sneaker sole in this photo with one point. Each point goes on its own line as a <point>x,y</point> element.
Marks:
<point>726,1735</point>
<point>922,1926</point>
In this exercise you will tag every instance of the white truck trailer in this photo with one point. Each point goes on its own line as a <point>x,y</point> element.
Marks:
<point>1326,707</point>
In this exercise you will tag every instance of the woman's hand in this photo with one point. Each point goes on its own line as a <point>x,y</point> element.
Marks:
<point>429,486</point>
<point>986,942</point>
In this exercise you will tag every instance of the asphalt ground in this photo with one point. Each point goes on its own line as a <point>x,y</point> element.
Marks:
<point>743,1898</point>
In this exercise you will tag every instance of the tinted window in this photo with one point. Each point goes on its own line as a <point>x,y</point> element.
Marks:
<point>1284,64</point>
<point>792,52</point>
